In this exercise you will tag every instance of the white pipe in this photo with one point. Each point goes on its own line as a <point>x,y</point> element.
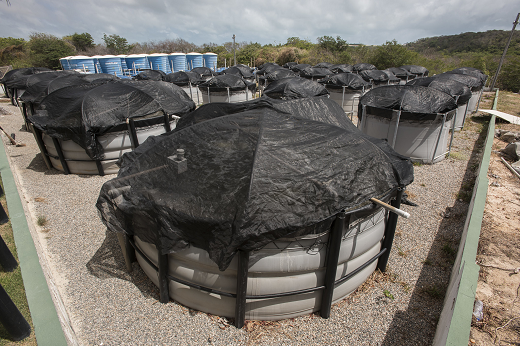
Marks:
<point>391,208</point>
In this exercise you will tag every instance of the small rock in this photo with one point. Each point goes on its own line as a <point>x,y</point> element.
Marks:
<point>495,184</point>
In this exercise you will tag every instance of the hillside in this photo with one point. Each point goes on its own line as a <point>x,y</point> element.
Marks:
<point>491,42</point>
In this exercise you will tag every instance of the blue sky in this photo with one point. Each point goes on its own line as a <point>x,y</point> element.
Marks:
<point>370,22</point>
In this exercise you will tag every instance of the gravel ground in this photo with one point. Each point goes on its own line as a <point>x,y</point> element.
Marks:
<point>108,306</point>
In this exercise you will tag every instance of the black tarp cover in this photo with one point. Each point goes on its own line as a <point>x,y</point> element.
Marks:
<point>241,70</point>
<point>323,65</point>
<point>294,88</point>
<point>349,80</point>
<point>266,69</point>
<point>451,87</point>
<point>341,68</point>
<point>362,67</point>
<point>472,72</point>
<point>42,84</point>
<point>374,75</point>
<point>264,65</point>
<point>156,75</point>
<point>225,81</point>
<point>204,71</point>
<point>279,74</point>
<point>16,78</point>
<point>183,78</point>
<point>256,171</point>
<point>409,98</point>
<point>470,81</point>
<point>299,67</point>
<point>416,69</point>
<point>315,72</point>
<point>391,76</point>
<point>400,72</point>
<point>82,112</point>
<point>289,64</point>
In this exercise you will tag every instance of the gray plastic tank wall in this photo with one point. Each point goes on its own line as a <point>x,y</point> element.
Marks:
<point>349,100</point>
<point>415,139</point>
<point>298,266</point>
<point>209,96</point>
<point>460,116</point>
<point>194,93</point>
<point>114,144</point>
<point>473,101</point>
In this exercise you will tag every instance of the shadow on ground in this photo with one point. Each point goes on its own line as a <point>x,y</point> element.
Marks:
<point>419,321</point>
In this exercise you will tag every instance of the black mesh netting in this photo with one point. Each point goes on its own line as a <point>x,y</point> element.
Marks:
<point>225,82</point>
<point>419,102</point>
<point>239,70</point>
<point>266,69</point>
<point>362,67</point>
<point>289,64</point>
<point>315,72</point>
<point>183,78</point>
<point>83,112</point>
<point>391,76</point>
<point>349,80</point>
<point>374,75</point>
<point>261,67</point>
<point>42,84</point>
<point>156,75</point>
<point>323,65</point>
<point>203,71</point>
<point>470,81</point>
<point>416,70</point>
<point>471,71</point>
<point>293,88</point>
<point>299,67</point>
<point>400,72</point>
<point>341,68</point>
<point>254,172</point>
<point>451,87</point>
<point>16,78</point>
<point>278,74</point>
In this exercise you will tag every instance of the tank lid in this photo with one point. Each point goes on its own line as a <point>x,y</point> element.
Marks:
<point>158,54</point>
<point>210,53</point>
<point>80,57</point>
<point>193,53</point>
<point>177,53</point>
<point>137,56</point>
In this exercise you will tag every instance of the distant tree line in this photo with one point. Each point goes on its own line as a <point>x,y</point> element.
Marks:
<point>438,54</point>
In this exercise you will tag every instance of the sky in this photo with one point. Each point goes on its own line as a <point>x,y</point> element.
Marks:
<point>371,22</point>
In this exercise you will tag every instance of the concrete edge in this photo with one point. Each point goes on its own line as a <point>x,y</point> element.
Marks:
<point>455,322</point>
<point>45,319</point>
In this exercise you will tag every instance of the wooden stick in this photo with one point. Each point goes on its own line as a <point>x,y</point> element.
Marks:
<point>391,208</point>
<point>13,142</point>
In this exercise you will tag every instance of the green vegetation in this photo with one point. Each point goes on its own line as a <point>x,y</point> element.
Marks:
<point>388,294</point>
<point>41,221</point>
<point>480,50</point>
<point>13,284</point>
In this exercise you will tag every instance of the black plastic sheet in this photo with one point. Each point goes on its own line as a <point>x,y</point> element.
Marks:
<point>315,72</point>
<point>254,172</point>
<point>289,64</point>
<point>374,75</point>
<point>266,69</point>
<point>81,113</point>
<point>263,66</point>
<point>341,68</point>
<point>471,71</point>
<point>323,65</point>
<point>419,100</point>
<point>225,82</point>
<point>416,70</point>
<point>156,75</point>
<point>239,70</point>
<point>183,78</point>
<point>457,90</point>
<point>204,71</point>
<point>278,74</point>
<point>470,81</point>
<point>400,72</point>
<point>293,88</point>
<point>299,67</point>
<point>391,76</point>
<point>349,80</point>
<point>16,78</point>
<point>362,67</point>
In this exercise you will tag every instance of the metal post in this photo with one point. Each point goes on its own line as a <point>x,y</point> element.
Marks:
<point>100,169</point>
<point>439,138</point>
<point>39,140</point>
<point>331,264</point>
<point>133,134</point>
<point>234,51</point>
<point>60,155</point>
<point>163,279</point>
<point>228,97</point>
<point>504,54</point>
<point>167,126</point>
<point>247,96</point>
<point>391,224</point>
<point>12,318</point>
<point>396,128</point>
<point>343,99</point>
<point>191,94</point>
<point>209,96</point>
<point>240,304</point>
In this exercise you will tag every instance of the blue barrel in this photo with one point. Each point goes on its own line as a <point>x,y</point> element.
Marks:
<point>137,62</point>
<point>193,60</point>
<point>210,60</point>
<point>159,61</point>
<point>83,63</point>
<point>111,64</point>
<point>65,63</point>
<point>96,61</point>
<point>177,62</point>
<point>123,62</point>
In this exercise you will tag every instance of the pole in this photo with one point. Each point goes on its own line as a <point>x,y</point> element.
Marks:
<point>504,54</point>
<point>234,50</point>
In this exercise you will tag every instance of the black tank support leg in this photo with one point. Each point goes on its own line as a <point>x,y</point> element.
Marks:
<point>240,306</point>
<point>331,266</point>
<point>163,279</point>
<point>60,155</point>
<point>39,140</point>
<point>391,225</point>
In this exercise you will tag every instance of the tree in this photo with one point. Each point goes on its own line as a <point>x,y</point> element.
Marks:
<point>117,44</point>
<point>46,50</point>
<point>248,54</point>
<point>299,43</point>
<point>392,54</point>
<point>333,44</point>
<point>83,41</point>
<point>509,77</point>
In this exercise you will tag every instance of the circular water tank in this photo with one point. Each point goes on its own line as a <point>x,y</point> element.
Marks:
<point>177,62</point>
<point>210,60</point>
<point>123,62</point>
<point>193,60</point>
<point>83,63</point>
<point>111,64</point>
<point>136,62</point>
<point>96,61</point>
<point>159,61</point>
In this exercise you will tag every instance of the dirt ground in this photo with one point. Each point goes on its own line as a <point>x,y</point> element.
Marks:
<point>499,248</point>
